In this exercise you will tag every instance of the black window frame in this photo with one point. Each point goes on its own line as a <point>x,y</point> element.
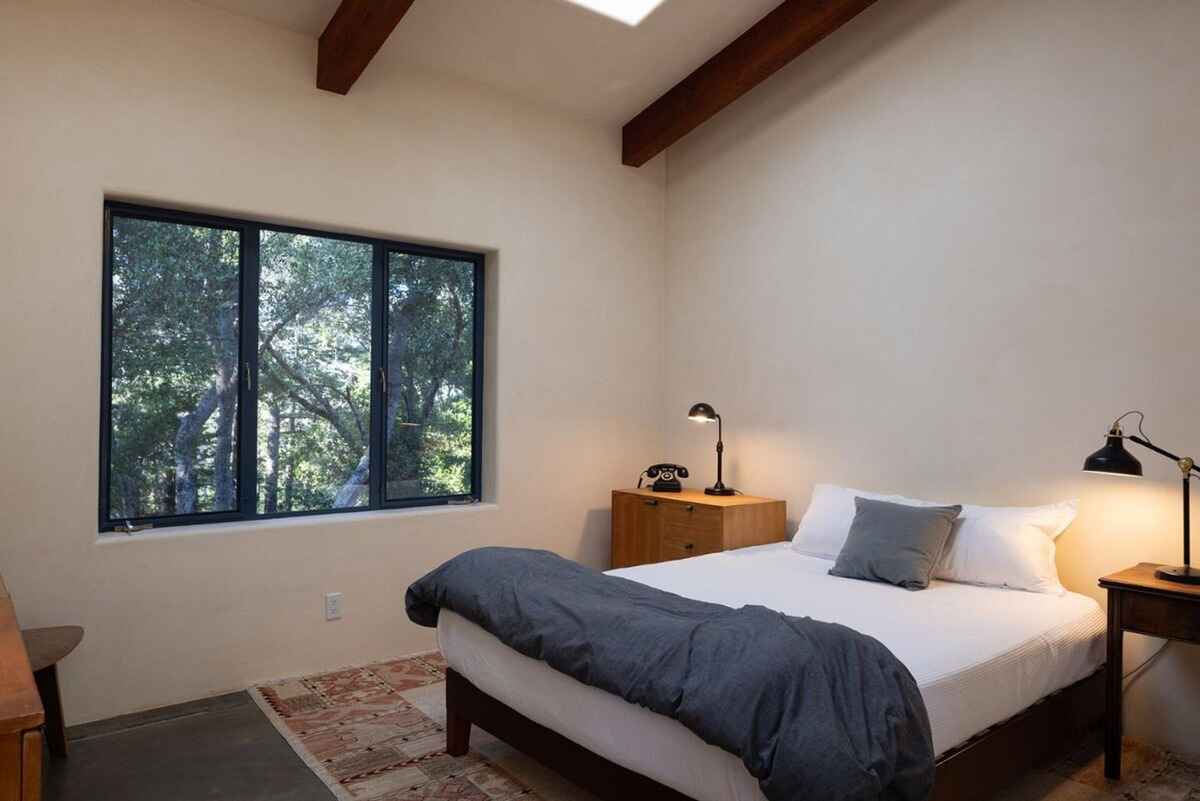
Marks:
<point>246,435</point>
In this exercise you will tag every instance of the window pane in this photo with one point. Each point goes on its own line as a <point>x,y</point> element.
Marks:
<point>174,369</point>
<point>314,393</point>
<point>430,383</point>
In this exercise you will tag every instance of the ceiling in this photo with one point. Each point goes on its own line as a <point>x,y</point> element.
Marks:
<point>550,51</point>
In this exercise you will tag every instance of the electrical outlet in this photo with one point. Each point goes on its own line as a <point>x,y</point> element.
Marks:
<point>333,606</point>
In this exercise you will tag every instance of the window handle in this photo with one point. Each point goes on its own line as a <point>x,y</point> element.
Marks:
<point>383,380</point>
<point>249,377</point>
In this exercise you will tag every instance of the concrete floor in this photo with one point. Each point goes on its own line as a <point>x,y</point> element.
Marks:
<point>226,750</point>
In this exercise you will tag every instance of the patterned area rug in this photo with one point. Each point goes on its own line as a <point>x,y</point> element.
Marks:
<point>376,733</point>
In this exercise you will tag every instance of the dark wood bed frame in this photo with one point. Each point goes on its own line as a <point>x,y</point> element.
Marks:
<point>977,769</point>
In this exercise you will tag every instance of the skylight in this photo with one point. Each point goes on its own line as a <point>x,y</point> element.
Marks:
<point>631,12</point>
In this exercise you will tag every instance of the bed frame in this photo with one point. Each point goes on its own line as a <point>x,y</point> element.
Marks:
<point>975,770</point>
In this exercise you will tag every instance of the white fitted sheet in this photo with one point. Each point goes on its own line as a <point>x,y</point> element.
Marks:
<point>979,654</point>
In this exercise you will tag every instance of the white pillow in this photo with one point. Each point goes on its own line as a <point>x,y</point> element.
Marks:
<point>1007,546</point>
<point>827,520</point>
<point>990,545</point>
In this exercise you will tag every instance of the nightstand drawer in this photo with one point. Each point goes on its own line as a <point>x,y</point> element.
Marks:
<point>682,546</point>
<point>1160,616</point>
<point>691,517</point>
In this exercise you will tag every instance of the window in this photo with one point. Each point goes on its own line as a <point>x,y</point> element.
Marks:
<point>252,370</point>
<point>314,373</point>
<point>430,392</point>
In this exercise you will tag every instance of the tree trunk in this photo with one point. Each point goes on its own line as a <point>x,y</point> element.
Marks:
<point>222,393</point>
<point>225,349</point>
<point>224,470</point>
<point>289,485</point>
<point>356,485</point>
<point>168,492</point>
<point>186,443</point>
<point>271,483</point>
<point>131,504</point>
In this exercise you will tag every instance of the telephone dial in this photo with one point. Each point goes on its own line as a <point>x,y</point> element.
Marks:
<point>666,477</point>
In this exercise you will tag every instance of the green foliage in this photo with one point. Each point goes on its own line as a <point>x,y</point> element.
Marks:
<point>446,459</point>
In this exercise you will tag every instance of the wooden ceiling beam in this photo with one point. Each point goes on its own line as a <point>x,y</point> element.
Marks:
<point>352,38</point>
<point>792,28</point>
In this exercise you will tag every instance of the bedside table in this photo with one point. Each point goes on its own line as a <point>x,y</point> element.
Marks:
<point>659,526</point>
<point>1141,603</point>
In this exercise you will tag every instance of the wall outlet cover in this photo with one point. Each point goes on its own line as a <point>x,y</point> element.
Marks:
<point>333,606</point>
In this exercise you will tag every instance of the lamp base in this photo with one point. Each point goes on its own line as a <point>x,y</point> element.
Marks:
<point>719,491</point>
<point>1180,575</point>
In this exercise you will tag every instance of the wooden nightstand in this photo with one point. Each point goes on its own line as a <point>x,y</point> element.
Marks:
<point>660,526</point>
<point>1139,602</point>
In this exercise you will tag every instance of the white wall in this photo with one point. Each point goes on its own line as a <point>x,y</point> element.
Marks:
<point>938,256</point>
<point>181,104</point>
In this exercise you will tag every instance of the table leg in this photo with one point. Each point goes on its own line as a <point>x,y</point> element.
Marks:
<point>1113,681</point>
<point>56,730</point>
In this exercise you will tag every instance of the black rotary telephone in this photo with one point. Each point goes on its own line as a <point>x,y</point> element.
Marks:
<point>666,477</point>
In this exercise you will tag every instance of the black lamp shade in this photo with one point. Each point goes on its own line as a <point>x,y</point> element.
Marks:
<point>702,413</point>
<point>1113,459</point>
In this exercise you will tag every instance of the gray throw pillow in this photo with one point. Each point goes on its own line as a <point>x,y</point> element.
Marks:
<point>895,543</point>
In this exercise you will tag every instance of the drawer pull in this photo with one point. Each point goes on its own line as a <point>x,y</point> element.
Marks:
<point>650,503</point>
<point>689,546</point>
<point>689,508</point>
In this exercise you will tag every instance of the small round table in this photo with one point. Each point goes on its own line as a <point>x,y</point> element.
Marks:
<point>46,648</point>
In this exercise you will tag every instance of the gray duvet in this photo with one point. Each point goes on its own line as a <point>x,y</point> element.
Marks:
<point>814,710</point>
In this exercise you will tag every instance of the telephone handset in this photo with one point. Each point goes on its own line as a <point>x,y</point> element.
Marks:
<point>666,477</point>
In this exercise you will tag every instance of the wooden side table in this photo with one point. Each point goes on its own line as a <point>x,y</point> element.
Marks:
<point>1141,603</point>
<point>652,526</point>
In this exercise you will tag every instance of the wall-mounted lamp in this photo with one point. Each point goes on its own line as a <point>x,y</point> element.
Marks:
<point>704,413</point>
<point>1114,460</point>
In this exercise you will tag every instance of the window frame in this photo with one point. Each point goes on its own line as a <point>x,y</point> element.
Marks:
<point>246,432</point>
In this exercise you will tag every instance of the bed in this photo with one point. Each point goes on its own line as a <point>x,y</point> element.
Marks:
<point>1003,673</point>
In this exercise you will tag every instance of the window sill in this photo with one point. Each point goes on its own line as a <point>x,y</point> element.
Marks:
<point>307,521</point>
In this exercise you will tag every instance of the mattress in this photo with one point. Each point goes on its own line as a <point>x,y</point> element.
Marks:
<point>979,655</point>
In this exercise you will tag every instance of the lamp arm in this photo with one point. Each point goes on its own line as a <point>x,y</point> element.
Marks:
<point>1177,459</point>
<point>1186,466</point>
